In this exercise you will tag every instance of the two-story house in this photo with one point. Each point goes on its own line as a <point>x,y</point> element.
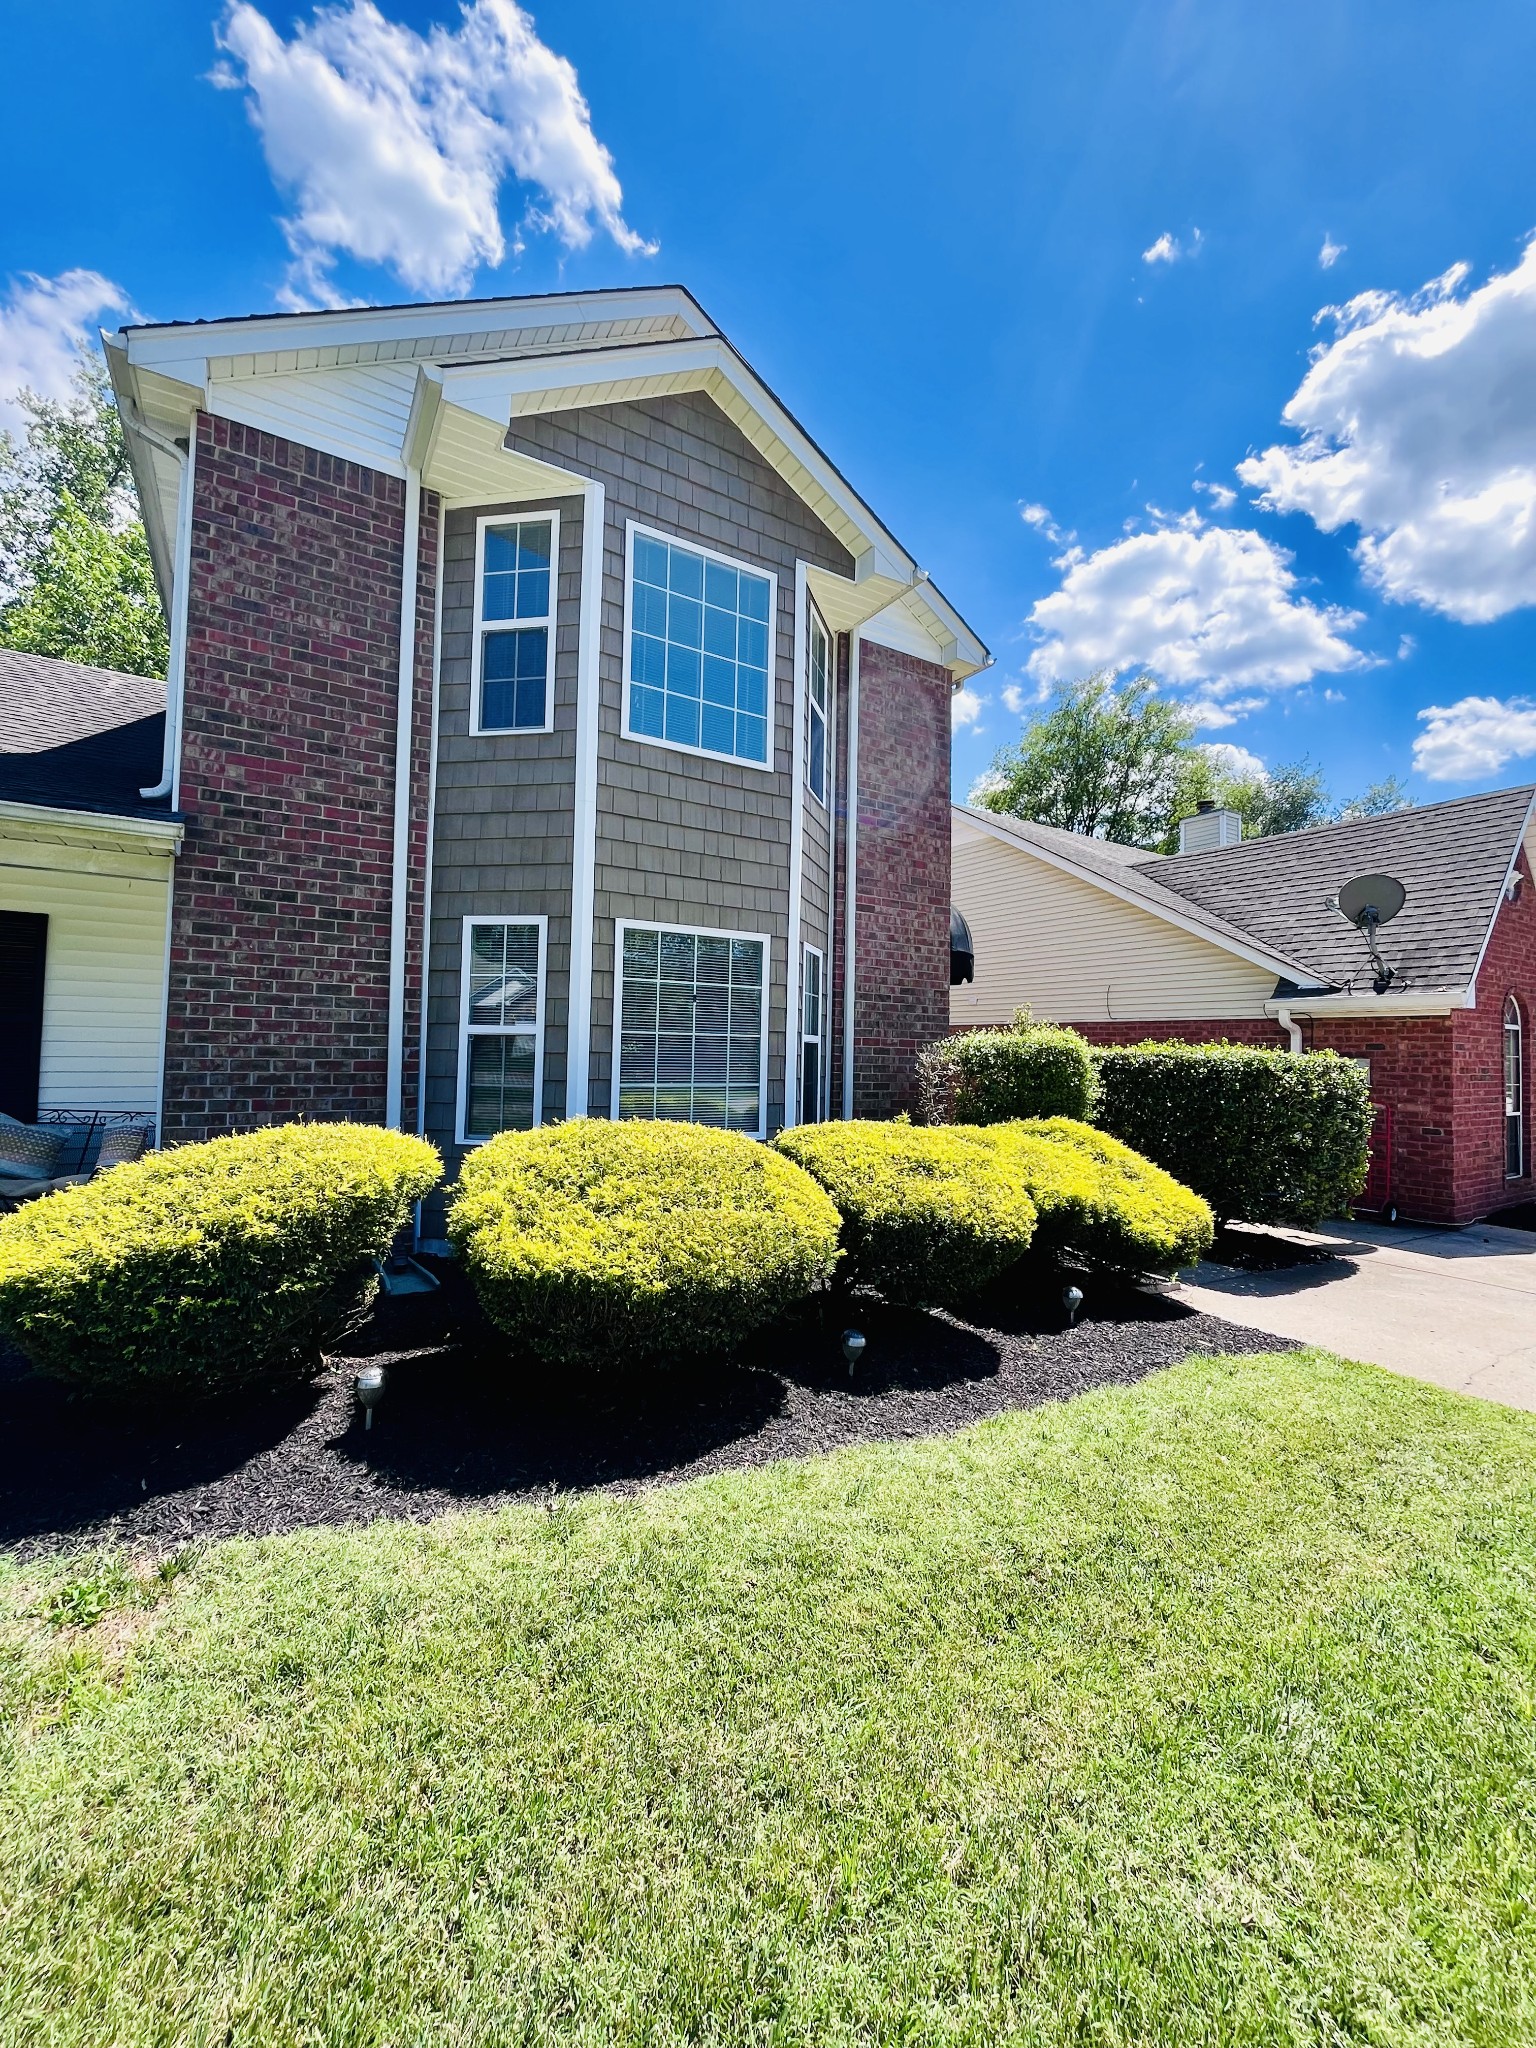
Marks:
<point>553,729</point>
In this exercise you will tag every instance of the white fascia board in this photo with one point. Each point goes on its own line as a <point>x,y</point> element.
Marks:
<point>1435,1002</point>
<point>93,828</point>
<point>1256,956</point>
<point>1504,888</point>
<point>174,350</point>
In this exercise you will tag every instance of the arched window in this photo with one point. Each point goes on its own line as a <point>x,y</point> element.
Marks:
<point>1514,1092</point>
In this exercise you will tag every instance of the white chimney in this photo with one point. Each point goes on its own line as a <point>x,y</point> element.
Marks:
<point>1209,827</point>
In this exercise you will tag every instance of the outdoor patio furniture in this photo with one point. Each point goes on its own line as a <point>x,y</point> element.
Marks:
<point>32,1154</point>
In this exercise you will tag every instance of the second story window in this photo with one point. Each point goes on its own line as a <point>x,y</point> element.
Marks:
<point>819,696</point>
<point>700,636</point>
<point>515,623</point>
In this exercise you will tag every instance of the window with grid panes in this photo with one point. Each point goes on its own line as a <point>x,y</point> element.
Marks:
<point>812,1034</point>
<point>690,1027</point>
<point>819,698</point>
<point>516,634</point>
<point>503,1016</point>
<point>699,640</point>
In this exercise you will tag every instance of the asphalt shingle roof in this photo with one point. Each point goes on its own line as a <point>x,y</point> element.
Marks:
<point>78,738</point>
<point>1452,858</point>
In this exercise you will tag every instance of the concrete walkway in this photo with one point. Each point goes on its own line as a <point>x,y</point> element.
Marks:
<point>1457,1307</point>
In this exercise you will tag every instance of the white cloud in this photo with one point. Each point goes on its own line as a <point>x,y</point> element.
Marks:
<point>1331,251</point>
<point>1215,609</point>
<point>1418,426</point>
<point>1407,646</point>
<point>1169,249</point>
<point>1235,761</point>
<point>984,785</point>
<point>1474,737</point>
<point>1039,517</point>
<point>44,322</point>
<point>1222,496</point>
<point>1014,698</point>
<point>1214,716</point>
<point>394,145</point>
<point>965,707</point>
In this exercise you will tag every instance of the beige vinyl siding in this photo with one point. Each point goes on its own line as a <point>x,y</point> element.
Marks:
<point>1078,955</point>
<point>105,976</point>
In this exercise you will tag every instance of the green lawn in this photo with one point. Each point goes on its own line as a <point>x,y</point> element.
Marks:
<point>1196,1712</point>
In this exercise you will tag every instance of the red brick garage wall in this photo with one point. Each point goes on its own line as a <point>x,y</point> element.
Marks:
<point>280,927</point>
<point>901,964</point>
<point>1509,968</point>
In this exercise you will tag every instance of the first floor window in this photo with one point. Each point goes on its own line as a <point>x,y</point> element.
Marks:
<point>690,1027</point>
<point>1514,1092</point>
<point>515,623</point>
<point>501,1053</point>
<point>819,696</point>
<point>812,1034</point>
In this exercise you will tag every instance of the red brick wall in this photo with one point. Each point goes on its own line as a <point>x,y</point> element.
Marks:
<point>901,965</point>
<point>280,928</point>
<point>1509,968</point>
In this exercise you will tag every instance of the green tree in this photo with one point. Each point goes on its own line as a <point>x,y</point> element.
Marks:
<point>1380,800</point>
<point>75,575</point>
<point>1102,760</point>
<point>1287,799</point>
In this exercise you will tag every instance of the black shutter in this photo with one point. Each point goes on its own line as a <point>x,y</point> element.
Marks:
<point>23,955</point>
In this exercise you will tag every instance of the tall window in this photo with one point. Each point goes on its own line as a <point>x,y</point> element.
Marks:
<point>1514,1092</point>
<point>515,623</point>
<point>690,1027</point>
<point>813,1007</point>
<point>700,630</point>
<point>501,1049</point>
<point>819,697</point>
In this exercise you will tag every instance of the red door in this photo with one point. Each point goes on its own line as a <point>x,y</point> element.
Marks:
<point>1377,1192</point>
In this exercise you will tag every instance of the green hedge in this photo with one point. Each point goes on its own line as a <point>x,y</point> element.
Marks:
<point>1265,1137</point>
<point>1100,1200</point>
<point>994,1077</point>
<point>928,1217</point>
<point>595,1243</point>
<point>212,1266</point>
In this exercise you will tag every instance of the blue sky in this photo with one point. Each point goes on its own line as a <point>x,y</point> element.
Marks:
<point>1040,278</point>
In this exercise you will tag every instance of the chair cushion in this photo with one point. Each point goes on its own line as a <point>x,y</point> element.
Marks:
<point>27,1153</point>
<point>120,1146</point>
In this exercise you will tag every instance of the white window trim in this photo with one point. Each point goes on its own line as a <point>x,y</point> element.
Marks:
<point>482,626</point>
<point>816,624</point>
<point>461,1108</point>
<point>637,527</point>
<point>691,931</point>
<point>1517,1114</point>
<point>819,1040</point>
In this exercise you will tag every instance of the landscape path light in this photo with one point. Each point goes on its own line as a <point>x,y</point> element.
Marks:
<point>1072,1301</point>
<point>370,1391</point>
<point>853,1348</point>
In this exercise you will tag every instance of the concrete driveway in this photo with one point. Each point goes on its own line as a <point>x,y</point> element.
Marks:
<point>1457,1307</point>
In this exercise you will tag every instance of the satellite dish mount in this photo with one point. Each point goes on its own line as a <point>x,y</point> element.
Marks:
<point>1369,902</point>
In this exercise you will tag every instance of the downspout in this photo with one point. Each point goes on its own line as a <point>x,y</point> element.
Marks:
<point>426,887</point>
<point>1289,1025</point>
<point>578,1027</point>
<point>794,994</point>
<point>176,668</point>
<point>394,1084</point>
<point>850,871</point>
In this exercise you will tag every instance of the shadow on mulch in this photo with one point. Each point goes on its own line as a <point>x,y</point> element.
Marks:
<point>1251,1250</point>
<point>462,1426</point>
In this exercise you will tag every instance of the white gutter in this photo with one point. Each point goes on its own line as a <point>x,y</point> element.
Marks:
<point>793,993</point>
<point>181,577</point>
<point>1395,1003</point>
<point>399,887</point>
<point>1282,1015</point>
<point>850,872</point>
<point>578,1029</point>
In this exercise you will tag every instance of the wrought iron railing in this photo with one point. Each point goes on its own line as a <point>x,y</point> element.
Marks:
<point>86,1128</point>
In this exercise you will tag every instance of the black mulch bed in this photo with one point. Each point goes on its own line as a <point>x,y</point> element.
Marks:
<point>460,1428</point>
<point>1263,1251</point>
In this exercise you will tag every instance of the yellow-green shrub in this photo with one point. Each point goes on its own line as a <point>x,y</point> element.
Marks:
<point>598,1243</point>
<point>211,1266</point>
<point>1101,1200</point>
<point>928,1217</point>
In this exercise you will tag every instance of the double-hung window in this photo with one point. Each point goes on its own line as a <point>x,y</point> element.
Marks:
<point>813,1029</point>
<point>1514,1092</point>
<point>699,663</point>
<point>501,1031</point>
<point>515,563</point>
<point>818,709</point>
<point>691,1026</point>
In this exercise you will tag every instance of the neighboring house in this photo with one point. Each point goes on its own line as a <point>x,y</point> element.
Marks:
<point>557,732</point>
<point>85,871</point>
<point>1237,941</point>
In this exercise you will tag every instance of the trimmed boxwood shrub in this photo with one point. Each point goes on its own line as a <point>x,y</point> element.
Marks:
<point>1266,1137</point>
<point>928,1216</point>
<point>994,1077</point>
<point>600,1244</point>
<point>1101,1201</point>
<point>210,1267</point>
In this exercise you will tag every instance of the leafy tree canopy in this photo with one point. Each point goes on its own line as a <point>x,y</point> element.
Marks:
<point>75,575</point>
<point>1122,763</point>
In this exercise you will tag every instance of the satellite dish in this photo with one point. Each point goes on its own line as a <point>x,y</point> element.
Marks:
<point>1372,899</point>
<point>1369,902</point>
